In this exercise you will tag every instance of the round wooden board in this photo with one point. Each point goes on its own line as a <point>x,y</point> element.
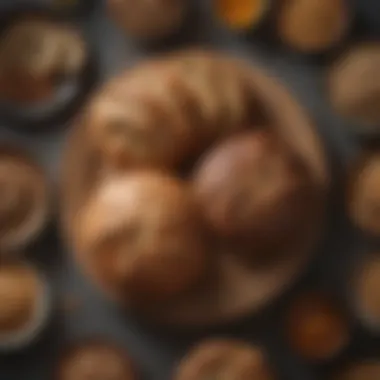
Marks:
<point>233,290</point>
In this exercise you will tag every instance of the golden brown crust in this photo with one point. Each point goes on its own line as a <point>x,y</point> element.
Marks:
<point>34,53</point>
<point>353,86</point>
<point>149,19</point>
<point>159,113</point>
<point>253,190</point>
<point>95,358</point>
<point>142,237</point>
<point>24,199</point>
<point>19,291</point>
<point>316,328</point>
<point>312,26</point>
<point>223,358</point>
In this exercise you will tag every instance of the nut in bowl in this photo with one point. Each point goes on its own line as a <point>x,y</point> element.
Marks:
<point>46,69</point>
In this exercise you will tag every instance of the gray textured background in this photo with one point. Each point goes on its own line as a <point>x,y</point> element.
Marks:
<point>156,351</point>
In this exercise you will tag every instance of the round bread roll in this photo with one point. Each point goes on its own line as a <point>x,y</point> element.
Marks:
<point>23,305</point>
<point>35,55</point>
<point>149,20</point>
<point>354,86</point>
<point>141,236</point>
<point>24,200</point>
<point>95,359</point>
<point>316,328</point>
<point>218,358</point>
<point>164,111</point>
<point>363,199</point>
<point>313,26</point>
<point>252,189</point>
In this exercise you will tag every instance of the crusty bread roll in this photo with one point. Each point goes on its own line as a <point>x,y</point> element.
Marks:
<point>141,235</point>
<point>253,191</point>
<point>163,111</point>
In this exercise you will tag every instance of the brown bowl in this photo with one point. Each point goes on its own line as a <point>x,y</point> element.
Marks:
<point>233,290</point>
<point>26,204</point>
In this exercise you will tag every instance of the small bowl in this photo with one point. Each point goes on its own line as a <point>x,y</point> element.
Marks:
<point>25,191</point>
<point>317,327</point>
<point>56,109</point>
<point>352,87</point>
<point>250,26</point>
<point>27,335</point>
<point>285,25</point>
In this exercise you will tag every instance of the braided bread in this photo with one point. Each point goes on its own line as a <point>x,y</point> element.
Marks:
<point>165,110</point>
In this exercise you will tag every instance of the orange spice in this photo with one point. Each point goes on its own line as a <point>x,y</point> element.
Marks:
<point>239,14</point>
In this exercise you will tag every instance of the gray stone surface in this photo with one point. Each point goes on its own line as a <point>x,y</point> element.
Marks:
<point>155,350</point>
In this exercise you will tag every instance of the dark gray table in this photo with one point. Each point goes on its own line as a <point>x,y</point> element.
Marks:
<point>156,351</point>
